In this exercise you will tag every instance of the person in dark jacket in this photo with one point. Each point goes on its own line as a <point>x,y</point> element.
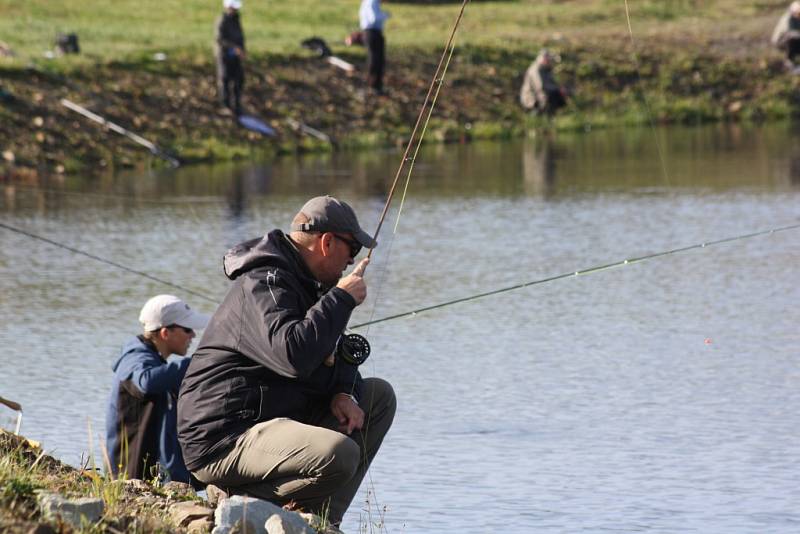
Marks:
<point>269,407</point>
<point>141,429</point>
<point>230,53</point>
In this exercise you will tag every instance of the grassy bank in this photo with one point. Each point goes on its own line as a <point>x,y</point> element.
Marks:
<point>687,61</point>
<point>129,506</point>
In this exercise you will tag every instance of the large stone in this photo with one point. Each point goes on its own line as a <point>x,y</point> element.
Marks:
<point>245,513</point>
<point>251,516</point>
<point>73,511</point>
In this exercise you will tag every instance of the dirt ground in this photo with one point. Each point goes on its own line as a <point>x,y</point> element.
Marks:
<point>173,103</point>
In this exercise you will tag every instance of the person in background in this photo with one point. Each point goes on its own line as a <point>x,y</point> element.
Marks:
<point>371,20</point>
<point>141,433</point>
<point>540,91</point>
<point>230,54</point>
<point>270,406</point>
<point>786,35</point>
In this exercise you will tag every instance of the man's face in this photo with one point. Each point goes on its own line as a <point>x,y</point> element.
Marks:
<point>178,339</point>
<point>339,251</point>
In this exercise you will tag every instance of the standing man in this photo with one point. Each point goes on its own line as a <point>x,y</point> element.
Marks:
<point>540,91</point>
<point>141,431</point>
<point>371,20</point>
<point>230,54</point>
<point>270,407</point>
<point>786,35</point>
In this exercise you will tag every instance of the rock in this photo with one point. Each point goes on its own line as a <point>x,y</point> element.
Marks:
<point>252,516</point>
<point>200,525</point>
<point>146,500</point>
<point>215,494</point>
<point>287,523</point>
<point>186,512</point>
<point>136,485</point>
<point>178,489</point>
<point>73,511</point>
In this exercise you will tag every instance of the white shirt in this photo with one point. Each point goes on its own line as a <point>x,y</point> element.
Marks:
<point>371,16</point>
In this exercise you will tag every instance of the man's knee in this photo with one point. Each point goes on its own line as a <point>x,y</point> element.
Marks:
<point>379,399</point>
<point>344,459</point>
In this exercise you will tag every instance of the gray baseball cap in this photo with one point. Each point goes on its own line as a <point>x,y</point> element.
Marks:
<point>327,214</point>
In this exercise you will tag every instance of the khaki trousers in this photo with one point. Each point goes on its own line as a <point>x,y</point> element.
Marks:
<point>315,466</point>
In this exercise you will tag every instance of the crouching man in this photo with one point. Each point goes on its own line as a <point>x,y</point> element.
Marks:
<point>269,408</point>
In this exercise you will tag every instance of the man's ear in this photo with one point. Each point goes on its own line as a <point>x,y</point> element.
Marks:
<point>163,333</point>
<point>325,244</point>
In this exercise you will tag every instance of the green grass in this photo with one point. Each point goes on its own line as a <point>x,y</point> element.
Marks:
<point>118,29</point>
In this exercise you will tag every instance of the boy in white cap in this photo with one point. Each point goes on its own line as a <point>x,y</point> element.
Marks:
<point>786,35</point>
<point>141,435</point>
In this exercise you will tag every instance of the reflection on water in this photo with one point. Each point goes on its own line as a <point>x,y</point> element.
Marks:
<point>658,397</point>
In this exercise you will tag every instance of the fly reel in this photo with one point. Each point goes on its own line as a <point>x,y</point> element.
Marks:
<point>354,349</point>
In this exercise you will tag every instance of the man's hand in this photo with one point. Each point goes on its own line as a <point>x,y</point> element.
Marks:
<point>347,412</point>
<point>354,283</point>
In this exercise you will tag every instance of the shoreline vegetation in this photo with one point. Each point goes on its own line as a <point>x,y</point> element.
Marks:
<point>687,62</point>
<point>27,474</point>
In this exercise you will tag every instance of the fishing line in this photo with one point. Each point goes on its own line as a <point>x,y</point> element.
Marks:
<point>437,78</point>
<point>424,129</point>
<point>107,262</point>
<point>436,81</point>
<point>122,198</point>
<point>644,96</point>
<point>590,270</point>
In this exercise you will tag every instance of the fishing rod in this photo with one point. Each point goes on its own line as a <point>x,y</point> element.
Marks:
<point>104,260</point>
<point>590,270</point>
<point>354,348</point>
<point>438,78</point>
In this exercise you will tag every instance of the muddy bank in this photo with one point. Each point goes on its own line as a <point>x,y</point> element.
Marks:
<point>173,102</point>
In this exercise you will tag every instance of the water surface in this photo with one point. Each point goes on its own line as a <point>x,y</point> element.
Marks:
<point>662,396</point>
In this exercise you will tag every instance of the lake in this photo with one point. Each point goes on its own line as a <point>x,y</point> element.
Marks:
<point>660,396</point>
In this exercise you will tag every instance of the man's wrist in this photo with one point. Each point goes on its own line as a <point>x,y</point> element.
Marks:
<point>351,397</point>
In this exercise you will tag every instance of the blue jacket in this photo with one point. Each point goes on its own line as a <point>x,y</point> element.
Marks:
<point>143,402</point>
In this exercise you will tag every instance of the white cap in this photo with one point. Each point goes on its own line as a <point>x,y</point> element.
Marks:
<point>166,310</point>
<point>235,4</point>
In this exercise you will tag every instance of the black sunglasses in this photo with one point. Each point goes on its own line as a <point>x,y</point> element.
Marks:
<point>355,246</point>
<point>186,330</point>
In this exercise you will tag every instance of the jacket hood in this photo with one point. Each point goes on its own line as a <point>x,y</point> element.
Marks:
<point>272,250</point>
<point>137,344</point>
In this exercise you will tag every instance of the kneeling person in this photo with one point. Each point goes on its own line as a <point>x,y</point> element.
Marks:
<point>268,408</point>
<point>141,433</point>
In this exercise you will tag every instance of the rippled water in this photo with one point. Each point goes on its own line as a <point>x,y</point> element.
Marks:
<point>662,396</point>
